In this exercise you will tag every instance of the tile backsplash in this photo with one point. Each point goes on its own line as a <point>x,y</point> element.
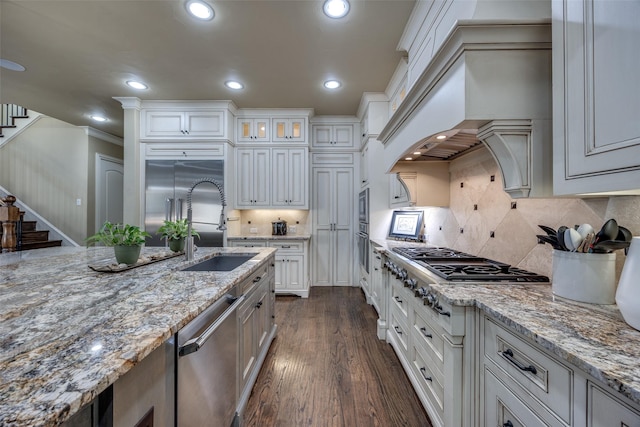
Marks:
<point>480,208</point>
<point>241,222</point>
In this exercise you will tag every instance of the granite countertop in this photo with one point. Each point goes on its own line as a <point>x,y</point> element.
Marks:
<point>593,338</point>
<point>270,237</point>
<point>68,332</point>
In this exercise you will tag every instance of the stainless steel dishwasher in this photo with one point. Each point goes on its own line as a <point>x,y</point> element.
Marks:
<point>207,365</point>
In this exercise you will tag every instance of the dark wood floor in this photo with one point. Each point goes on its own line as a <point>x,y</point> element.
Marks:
<point>327,367</point>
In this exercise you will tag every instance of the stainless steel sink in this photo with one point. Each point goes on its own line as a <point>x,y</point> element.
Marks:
<point>225,262</point>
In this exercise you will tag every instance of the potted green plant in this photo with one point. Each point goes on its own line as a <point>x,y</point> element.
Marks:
<point>176,232</point>
<point>127,240</point>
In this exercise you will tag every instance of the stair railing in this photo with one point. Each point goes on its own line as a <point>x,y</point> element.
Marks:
<point>10,219</point>
<point>9,111</point>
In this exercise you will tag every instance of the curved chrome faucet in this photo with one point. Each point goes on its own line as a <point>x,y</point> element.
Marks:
<point>221,224</point>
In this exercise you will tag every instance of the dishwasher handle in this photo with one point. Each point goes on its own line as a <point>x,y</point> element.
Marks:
<point>194,344</point>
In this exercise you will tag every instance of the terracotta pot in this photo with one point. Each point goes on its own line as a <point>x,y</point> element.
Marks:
<point>127,254</point>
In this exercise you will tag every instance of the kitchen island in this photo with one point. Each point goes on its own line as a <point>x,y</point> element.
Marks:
<point>68,332</point>
<point>550,358</point>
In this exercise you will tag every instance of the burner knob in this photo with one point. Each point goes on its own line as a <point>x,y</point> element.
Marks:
<point>431,299</point>
<point>410,283</point>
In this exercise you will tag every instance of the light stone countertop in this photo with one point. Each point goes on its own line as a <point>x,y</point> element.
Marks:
<point>593,338</point>
<point>270,237</point>
<point>68,332</point>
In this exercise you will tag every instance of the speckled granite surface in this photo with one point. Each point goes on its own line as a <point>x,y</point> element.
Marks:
<point>593,338</point>
<point>68,332</point>
<point>270,237</point>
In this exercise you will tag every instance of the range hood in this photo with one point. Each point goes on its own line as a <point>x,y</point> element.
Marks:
<point>489,83</point>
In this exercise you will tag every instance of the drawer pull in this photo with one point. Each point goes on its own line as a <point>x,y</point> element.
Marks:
<point>397,330</point>
<point>508,354</point>
<point>439,310</point>
<point>285,246</point>
<point>257,279</point>
<point>424,332</point>
<point>422,371</point>
<point>507,424</point>
<point>398,299</point>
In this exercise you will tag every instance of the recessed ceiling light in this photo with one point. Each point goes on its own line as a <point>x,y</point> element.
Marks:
<point>336,8</point>
<point>231,84</point>
<point>417,153</point>
<point>99,118</point>
<point>332,84</point>
<point>200,9</point>
<point>441,137</point>
<point>137,85</point>
<point>408,158</point>
<point>10,65</point>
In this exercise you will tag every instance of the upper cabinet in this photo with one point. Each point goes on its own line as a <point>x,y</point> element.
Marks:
<point>178,122</point>
<point>332,136</point>
<point>289,129</point>
<point>253,129</point>
<point>596,131</point>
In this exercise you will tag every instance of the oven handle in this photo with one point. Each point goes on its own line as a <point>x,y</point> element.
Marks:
<point>194,344</point>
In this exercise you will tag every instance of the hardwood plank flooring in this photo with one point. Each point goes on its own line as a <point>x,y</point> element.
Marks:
<point>327,367</point>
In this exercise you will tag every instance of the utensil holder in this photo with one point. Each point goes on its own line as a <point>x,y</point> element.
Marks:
<point>584,277</point>
<point>628,293</point>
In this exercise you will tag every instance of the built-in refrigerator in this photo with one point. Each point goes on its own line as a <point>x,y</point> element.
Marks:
<point>166,187</point>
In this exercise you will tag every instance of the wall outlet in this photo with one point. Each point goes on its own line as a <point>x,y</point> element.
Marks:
<point>292,229</point>
<point>253,230</point>
<point>78,202</point>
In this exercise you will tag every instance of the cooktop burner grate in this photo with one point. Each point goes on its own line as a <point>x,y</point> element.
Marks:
<point>457,266</point>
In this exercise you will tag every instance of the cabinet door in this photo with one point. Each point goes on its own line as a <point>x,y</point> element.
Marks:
<point>343,136</point>
<point>263,315</point>
<point>280,176</point>
<point>298,177</point>
<point>322,136</point>
<point>253,130</point>
<point>295,272</point>
<point>364,166</point>
<point>205,124</point>
<point>248,345</point>
<point>163,124</point>
<point>289,130</point>
<point>596,103</point>
<point>253,177</point>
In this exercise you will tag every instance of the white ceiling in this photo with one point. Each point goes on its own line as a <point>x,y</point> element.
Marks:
<point>78,54</point>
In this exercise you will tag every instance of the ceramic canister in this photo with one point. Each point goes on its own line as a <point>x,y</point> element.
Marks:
<point>628,293</point>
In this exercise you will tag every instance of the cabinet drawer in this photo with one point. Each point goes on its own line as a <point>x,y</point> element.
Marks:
<point>287,246</point>
<point>605,410</point>
<point>430,378</point>
<point>536,373</point>
<point>171,151</point>
<point>429,334</point>
<point>248,243</point>
<point>503,408</point>
<point>400,331</point>
<point>256,278</point>
<point>400,298</point>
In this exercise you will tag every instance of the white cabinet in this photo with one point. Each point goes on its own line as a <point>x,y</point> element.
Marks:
<point>256,328</point>
<point>398,190</point>
<point>247,243</point>
<point>272,178</point>
<point>289,129</point>
<point>606,410</point>
<point>333,203</point>
<point>291,267</point>
<point>253,129</point>
<point>332,136</point>
<point>375,278</point>
<point>290,172</point>
<point>364,166</point>
<point>167,124</point>
<point>596,131</point>
<point>253,177</point>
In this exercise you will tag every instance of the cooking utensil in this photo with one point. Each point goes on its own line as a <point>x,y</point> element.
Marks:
<point>609,231</point>
<point>607,246</point>
<point>560,237</point>
<point>585,229</point>
<point>552,240</point>
<point>550,231</point>
<point>572,239</point>
<point>587,242</point>
<point>624,234</point>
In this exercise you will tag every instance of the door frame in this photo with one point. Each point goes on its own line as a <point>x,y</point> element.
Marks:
<point>101,161</point>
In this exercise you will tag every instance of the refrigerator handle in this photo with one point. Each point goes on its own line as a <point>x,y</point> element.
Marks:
<point>179,208</point>
<point>168,209</point>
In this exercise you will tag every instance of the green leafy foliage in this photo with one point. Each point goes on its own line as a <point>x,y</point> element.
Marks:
<point>118,234</point>
<point>174,230</point>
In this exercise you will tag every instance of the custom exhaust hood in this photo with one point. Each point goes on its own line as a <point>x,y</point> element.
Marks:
<point>489,83</point>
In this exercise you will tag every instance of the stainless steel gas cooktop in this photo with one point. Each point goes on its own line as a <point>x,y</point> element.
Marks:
<point>457,266</point>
